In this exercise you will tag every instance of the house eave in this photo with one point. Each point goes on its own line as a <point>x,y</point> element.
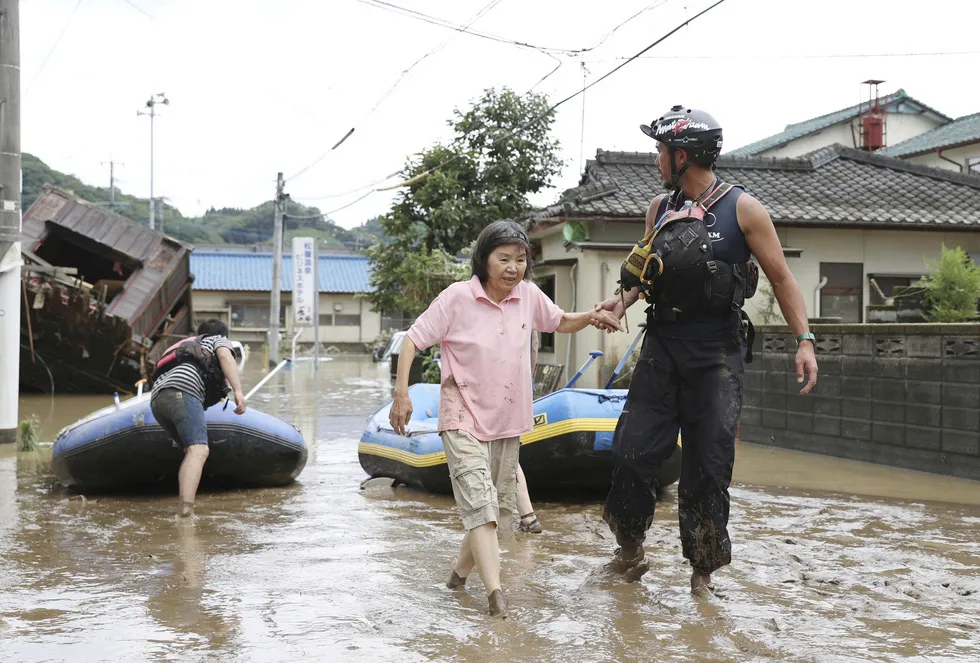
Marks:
<point>871,225</point>
<point>933,150</point>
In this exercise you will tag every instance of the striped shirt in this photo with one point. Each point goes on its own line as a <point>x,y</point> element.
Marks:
<point>186,377</point>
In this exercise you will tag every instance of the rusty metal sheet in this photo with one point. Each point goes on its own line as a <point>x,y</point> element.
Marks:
<point>99,224</point>
<point>145,297</point>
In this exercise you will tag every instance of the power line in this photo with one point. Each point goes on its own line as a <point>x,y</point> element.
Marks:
<point>139,9</point>
<point>486,8</point>
<point>548,75</point>
<point>465,29</point>
<point>632,58</point>
<point>554,106</point>
<point>53,48</point>
<point>809,56</point>
<point>350,203</point>
<point>348,192</point>
<point>551,109</point>
<point>609,34</point>
<point>434,20</point>
<point>370,187</point>
<point>322,156</point>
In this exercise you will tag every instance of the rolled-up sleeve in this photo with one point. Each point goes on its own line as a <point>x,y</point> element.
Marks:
<point>547,315</point>
<point>432,326</point>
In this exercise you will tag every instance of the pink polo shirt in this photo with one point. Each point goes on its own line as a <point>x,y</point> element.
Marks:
<point>486,349</point>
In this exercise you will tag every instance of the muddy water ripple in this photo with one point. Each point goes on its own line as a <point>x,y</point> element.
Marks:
<point>833,562</point>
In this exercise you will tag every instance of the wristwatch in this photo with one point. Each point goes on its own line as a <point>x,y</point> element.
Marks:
<point>806,337</point>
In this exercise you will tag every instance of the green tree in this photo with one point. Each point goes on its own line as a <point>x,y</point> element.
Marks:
<point>501,152</point>
<point>952,287</point>
<point>409,281</point>
<point>371,231</point>
<point>36,174</point>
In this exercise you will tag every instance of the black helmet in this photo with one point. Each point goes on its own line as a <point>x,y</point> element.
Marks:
<point>692,130</point>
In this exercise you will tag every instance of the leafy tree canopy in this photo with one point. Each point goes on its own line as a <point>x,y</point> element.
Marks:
<point>485,172</point>
<point>952,287</point>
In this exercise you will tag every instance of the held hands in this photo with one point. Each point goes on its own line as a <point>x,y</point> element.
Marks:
<point>806,362</point>
<point>607,315</point>
<point>239,402</point>
<point>401,412</point>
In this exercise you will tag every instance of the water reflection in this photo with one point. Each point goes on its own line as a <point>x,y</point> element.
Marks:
<point>9,517</point>
<point>180,600</point>
<point>323,570</point>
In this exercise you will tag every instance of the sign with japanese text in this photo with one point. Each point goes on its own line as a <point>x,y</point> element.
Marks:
<point>304,281</point>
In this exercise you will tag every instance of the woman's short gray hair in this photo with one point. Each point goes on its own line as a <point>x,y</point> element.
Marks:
<point>499,233</point>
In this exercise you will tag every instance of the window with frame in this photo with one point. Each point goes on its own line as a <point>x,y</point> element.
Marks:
<point>843,295</point>
<point>888,283</point>
<point>547,285</point>
<point>326,319</point>
<point>251,316</point>
<point>343,320</point>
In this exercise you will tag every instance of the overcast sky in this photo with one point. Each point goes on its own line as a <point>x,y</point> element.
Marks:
<point>260,86</point>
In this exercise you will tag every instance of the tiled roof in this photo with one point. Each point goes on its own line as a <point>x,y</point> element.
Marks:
<point>794,131</point>
<point>218,270</point>
<point>834,185</point>
<point>960,131</point>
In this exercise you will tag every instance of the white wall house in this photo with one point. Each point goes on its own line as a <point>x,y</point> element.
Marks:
<point>904,118</point>
<point>954,146</point>
<point>235,288</point>
<point>840,213</point>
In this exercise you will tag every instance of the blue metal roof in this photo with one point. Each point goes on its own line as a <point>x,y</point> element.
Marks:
<point>963,130</point>
<point>220,270</point>
<point>896,102</point>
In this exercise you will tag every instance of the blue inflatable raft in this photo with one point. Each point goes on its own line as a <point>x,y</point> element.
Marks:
<point>568,451</point>
<point>122,447</point>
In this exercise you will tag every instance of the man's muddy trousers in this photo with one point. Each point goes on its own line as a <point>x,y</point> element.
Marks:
<point>694,386</point>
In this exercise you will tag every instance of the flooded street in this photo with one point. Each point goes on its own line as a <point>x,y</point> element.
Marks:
<point>833,561</point>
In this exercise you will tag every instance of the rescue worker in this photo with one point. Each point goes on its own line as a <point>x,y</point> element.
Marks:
<point>184,391</point>
<point>690,371</point>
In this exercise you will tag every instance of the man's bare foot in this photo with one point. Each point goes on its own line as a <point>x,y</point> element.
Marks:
<point>186,509</point>
<point>700,583</point>
<point>635,572</point>
<point>628,561</point>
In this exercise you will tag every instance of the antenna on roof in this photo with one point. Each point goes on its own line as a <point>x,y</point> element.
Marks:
<point>871,125</point>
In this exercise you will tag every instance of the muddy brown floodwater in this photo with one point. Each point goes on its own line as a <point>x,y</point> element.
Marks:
<point>833,561</point>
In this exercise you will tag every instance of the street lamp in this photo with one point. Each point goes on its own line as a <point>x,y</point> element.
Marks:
<point>151,104</point>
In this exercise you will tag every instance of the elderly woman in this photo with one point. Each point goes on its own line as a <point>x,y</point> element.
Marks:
<point>484,326</point>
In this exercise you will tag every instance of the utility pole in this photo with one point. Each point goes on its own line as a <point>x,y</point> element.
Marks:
<point>280,207</point>
<point>152,104</point>
<point>10,218</point>
<point>112,187</point>
<point>112,182</point>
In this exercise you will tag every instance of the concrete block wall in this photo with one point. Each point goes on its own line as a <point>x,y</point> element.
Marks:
<point>901,395</point>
